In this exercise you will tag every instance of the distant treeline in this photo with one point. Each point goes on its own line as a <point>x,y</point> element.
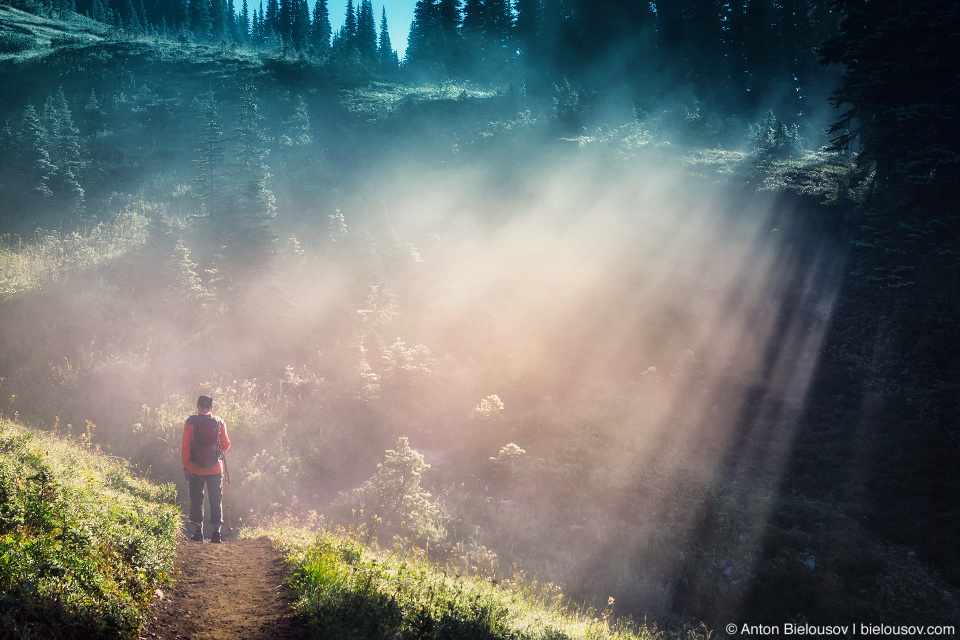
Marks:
<point>891,67</point>
<point>738,53</point>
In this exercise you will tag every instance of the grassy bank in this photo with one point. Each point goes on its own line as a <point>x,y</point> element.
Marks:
<point>83,546</point>
<point>347,589</point>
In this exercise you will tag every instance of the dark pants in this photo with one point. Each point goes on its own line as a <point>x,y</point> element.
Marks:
<point>214,494</point>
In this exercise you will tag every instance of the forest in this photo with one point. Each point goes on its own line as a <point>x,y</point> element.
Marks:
<point>653,304</point>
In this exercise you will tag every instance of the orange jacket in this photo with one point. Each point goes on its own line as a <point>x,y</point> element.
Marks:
<point>187,444</point>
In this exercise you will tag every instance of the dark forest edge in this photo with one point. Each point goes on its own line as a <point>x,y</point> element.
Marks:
<point>182,136</point>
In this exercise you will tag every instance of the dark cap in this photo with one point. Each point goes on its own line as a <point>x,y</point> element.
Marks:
<point>205,402</point>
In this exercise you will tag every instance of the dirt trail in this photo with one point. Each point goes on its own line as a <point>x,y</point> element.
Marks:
<point>230,591</point>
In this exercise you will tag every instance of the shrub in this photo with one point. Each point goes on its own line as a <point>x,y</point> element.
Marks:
<point>15,42</point>
<point>394,498</point>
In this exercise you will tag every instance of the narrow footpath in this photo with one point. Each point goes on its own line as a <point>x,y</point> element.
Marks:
<point>232,591</point>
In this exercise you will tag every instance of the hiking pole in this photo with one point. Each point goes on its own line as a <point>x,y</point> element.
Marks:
<point>226,490</point>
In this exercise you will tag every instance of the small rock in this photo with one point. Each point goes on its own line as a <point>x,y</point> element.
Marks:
<point>159,594</point>
<point>810,563</point>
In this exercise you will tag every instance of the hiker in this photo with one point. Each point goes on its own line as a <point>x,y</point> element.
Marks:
<point>204,441</point>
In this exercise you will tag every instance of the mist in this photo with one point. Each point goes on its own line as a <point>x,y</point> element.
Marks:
<point>615,309</point>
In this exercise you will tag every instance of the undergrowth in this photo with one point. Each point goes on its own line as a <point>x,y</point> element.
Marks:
<point>346,589</point>
<point>83,546</point>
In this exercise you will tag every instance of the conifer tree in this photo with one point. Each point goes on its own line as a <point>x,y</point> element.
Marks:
<point>34,157</point>
<point>387,57</point>
<point>185,289</point>
<point>900,88</point>
<point>320,30</point>
<point>219,17</point>
<point>301,25</point>
<point>299,123</point>
<point>210,152</point>
<point>200,22</point>
<point>449,18</point>
<point>285,19</point>
<point>423,43</point>
<point>245,223</point>
<point>349,31</point>
<point>366,40</point>
<point>272,21</point>
<point>64,147</point>
<point>130,19</point>
<point>243,23</point>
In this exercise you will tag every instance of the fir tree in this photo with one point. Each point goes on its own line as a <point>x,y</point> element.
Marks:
<point>200,22</point>
<point>34,161</point>
<point>285,20</point>
<point>245,224</point>
<point>301,25</point>
<point>424,41</point>
<point>320,30</point>
<point>210,152</point>
<point>449,44</point>
<point>185,289</point>
<point>387,57</point>
<point>900,89</point>
<point>243,23</point>
<point>272,21</point>
<point>366,39</point>
<point>64,147</point>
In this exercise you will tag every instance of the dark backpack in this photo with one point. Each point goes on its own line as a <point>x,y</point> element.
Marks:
<point>206,440</point>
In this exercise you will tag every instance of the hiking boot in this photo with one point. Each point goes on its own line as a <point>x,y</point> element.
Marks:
<point>215,538</point>
<point>197,537</point>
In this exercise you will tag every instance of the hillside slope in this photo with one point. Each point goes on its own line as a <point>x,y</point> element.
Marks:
<point>83,546</point>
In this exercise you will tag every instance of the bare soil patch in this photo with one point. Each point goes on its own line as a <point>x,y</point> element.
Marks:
<point>231,591</point>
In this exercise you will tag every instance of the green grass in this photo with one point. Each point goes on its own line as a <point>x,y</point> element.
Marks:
<point>83,546</point>
<point>53,255</point>
<point>345,589</point>
<point>25,35</point>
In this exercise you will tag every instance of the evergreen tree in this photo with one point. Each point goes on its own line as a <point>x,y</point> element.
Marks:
<point>349,31</point>
<point>366,41</point>
<point>185,289</point>
<point>298,126</point>
<point>243,23</point>
<point>320,30</point>
<point>285,19</point>
<point>386,56</point>
<point>424,41</point>
<point>200,22</point>
<point>63,139</point>
<point>449,44</point>
<point>210,152</point>
<point>900,87</point>
<point>301,26</point>
<point>35,166</point>
<point>488,32</point>
<point>131,19</point>
<point>272,21</point>
<point>611,37</point>
<point>245,223</point>
<point>219,18</point>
